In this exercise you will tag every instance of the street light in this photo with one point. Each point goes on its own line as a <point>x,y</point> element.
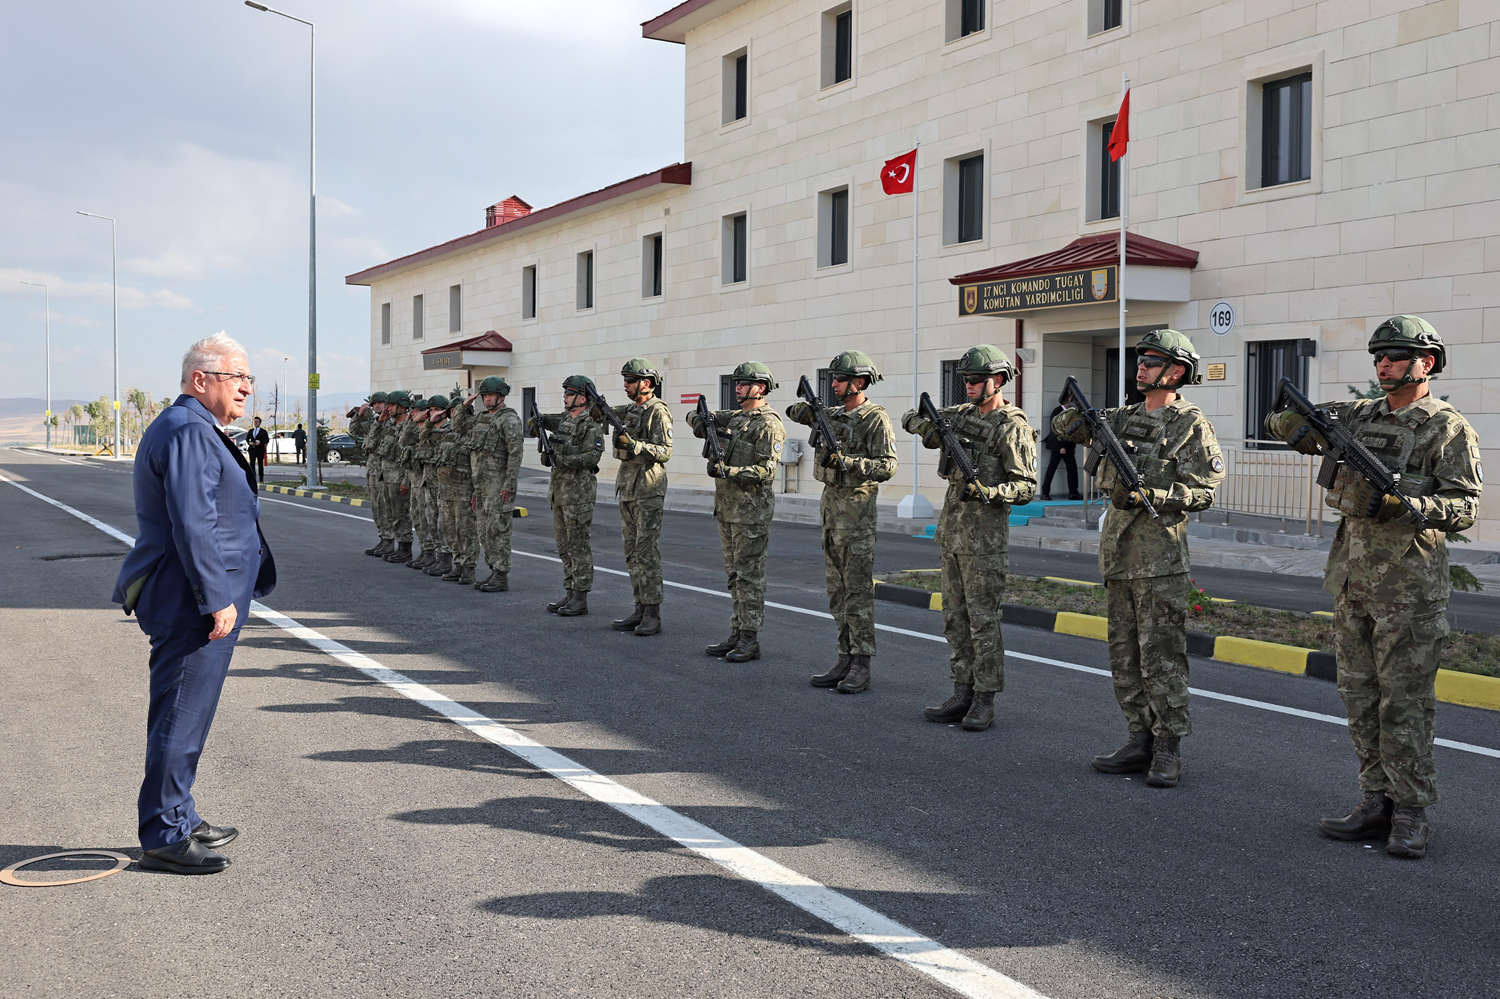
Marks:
<point>47,312</point>
<point>115,284</point>
<point>312,235</point>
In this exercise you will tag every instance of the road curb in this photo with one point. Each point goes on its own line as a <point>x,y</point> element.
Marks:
<point>519,511</point>
<point>1470,689</point>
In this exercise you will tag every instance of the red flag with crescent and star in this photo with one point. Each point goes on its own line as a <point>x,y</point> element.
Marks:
<point>897,177</point>
<point>1119,136</point>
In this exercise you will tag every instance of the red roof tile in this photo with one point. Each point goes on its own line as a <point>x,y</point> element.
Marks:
<point>485,341</point>
<point>1089,251</point>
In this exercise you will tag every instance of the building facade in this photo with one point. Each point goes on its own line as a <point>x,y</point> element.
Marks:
<point>1298,172</point>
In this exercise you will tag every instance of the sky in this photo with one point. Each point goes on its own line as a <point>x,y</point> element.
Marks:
<point>187,121</point>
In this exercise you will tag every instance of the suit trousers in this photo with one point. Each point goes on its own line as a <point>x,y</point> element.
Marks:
<point>1068,462</point>
<point>187,676</point>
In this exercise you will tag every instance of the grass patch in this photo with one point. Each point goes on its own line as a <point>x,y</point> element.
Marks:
<point>1466,651</point>
<point>349,489</point>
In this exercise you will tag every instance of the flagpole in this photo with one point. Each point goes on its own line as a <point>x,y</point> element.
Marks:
<point>1124,215</point>
<point>917,152</point>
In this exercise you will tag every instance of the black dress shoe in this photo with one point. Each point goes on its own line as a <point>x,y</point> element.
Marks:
<point>214,837</point>
<point>186,856</point>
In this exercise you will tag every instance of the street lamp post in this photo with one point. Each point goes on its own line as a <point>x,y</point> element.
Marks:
<point>47,355</point>
<point>312,236</point>
<point>115,286</point>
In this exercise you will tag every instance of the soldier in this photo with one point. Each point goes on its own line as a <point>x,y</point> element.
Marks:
<point>406,456</point>
<point>393,477</point>
<point>1388,573</point>
<point>641,485</point>
<point>373,428</point>
<point>577,445</point>
<point>495,463</point>
<point>426,502</point>
<point>850,486</point>
<point>1144,561</point>
<point>436,481</point>
<point>744,500</point>
<point>973,531</point>
<point>456,484</point>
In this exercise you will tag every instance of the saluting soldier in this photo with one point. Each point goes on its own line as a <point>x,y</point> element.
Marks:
<point>374,427</point>
<point>1388,573</point>
<point>973,531</point>
<point>458,490</point>
<point>436,475</point>
<point>851,482</point>
<point>393,475</point>
<point>641,485</point>
<point>405,442</point>
<point>744,500</point>
<point>1144,561</point>
<point>577,446</point>
<point>495,463</point>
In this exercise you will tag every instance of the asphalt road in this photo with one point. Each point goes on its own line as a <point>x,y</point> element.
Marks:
<point>388,851</point>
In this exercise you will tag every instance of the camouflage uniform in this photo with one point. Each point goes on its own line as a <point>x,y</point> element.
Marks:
<point>1145,562</point>
<point>392,478</point>
<point>848,514</point>
<point>429,445</point>
<point>974,535</point>
<point>406,442</point>
<point>641,485</point>
<point>456,485</point>
<point>578,444</point>
<point>495,464</point>
<point>744,500</point>
<point>374,476</point>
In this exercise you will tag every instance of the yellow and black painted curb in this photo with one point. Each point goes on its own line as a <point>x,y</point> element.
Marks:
<point>519,511</point>
<point>1471,689</point>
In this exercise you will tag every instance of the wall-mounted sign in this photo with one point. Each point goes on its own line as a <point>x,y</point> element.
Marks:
<point>1214,373</point>
<point>1221,318</point>
<point>691,398</point>
<point>1094,286</point>
<point>447,359</point>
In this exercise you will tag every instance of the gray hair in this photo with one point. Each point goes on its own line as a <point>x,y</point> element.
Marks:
<point>204,354</point>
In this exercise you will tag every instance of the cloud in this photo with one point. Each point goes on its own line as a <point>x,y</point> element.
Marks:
<point>130,296</point>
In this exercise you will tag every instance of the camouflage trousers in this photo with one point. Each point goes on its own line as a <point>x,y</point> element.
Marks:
<point>1148,652</point>
<point>1388,656</point>
<point>459,528</point>
<point>397,509</point>
<point>421,500</point>
<point>373,479</point>
<point>572,526</point>
<point>973,587</point>
<point>640,528</point>
<point>493,517</point>
<point>745,564</point>
<point>849,565</point>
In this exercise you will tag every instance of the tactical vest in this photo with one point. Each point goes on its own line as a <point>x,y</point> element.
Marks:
<point>635,425</point>
<point>980,438</point>
<point>1147,440</point>
<point>741,443</point>
<point>1394,443</point>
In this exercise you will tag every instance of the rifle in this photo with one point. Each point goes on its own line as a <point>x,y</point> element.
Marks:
<point>822,430</point>
<point>953,449</point>
<point>543,438</point>
<point>1343,448</point>
<point>1105,444</point>
<point>606,414</point>
<point>714,452</point>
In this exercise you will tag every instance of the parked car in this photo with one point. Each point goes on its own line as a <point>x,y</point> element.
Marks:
<point>342,447</point>
<point>238,435</point>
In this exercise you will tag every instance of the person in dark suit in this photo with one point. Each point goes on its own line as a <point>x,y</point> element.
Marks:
<point>258,440</point>
<point>300,437</point>
<point>198,561</point>
<point>1060,451</point>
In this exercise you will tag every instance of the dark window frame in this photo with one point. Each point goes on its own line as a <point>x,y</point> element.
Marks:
<point>953,390</point>
<point>838,227</point>
<point>825,388</point>
<point>528,291</point>
<point>971,199</point>
<point>455,308</point>
<point>843,46</point>
<point>418,324</point>
<point>1109,176</point>
<point>1114,14</point>
<point>1266,363</point>
<point>656,264</point>
<point>1286,130</point>
<point>726,392</point>
<point>528,396</point>
<point>970,17</point>
<point>585,281</point>
<point>739,248</point>
<point>741,87</point>
<point>385,324</point>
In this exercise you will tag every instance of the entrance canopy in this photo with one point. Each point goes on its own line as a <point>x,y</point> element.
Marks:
<point>487,350</point>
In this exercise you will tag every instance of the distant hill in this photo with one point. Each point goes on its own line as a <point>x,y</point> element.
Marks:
<point>25,406</point>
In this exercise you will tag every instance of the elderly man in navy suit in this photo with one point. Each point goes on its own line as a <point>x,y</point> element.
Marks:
<point>199,559</point>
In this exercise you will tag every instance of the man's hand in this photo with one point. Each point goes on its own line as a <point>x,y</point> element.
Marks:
<point>405,489</point>
<point>1294,428</point>
<point>716,470</point>
<point>223,622</point>
<point>506,495</point>
<point>624,442</point>
<point>978,491</point>
<point>1128,499</point>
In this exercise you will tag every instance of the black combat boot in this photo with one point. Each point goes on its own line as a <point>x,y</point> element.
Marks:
<point>1371,819</point>
<point>1409,833</point>
<point>441,563</point>
<point>1166,763</point>
<point>981,713</point>
<point>382,548</point>
<point>577,605</point>
<point>858,680</point>
<point>628,622</point>
<point>748,648</point>
<point>955,707</point>
<point>650,620</point>
<point>725,647</point>
<point>422,560</point>
<point>465,576</point>
<point>833,676</point>
<point>558,605</point>
<point>498,582</point>
<point>1132,758</point>
<point>401,554</point>
<point>455,570</point>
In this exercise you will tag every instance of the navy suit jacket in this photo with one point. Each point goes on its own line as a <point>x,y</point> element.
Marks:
<point>198,546</point>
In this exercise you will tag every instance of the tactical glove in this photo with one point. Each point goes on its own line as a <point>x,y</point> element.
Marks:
<point>1293,428</point>
<point>1128,499</point>
<point>978,491</point>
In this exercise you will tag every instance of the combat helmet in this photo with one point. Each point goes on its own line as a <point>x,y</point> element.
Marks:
<point>438,402</point>
<point>400,397</point>
<point>755,371</point>
<point>580,383</point>
<point>378,397</point>
<point>987,359</point>
<point>1176,346</point>
<point>639,367</point>
<point>418,402</point>
<point>854,364</point>
<point>1410,333</point>
<point>494,385</point>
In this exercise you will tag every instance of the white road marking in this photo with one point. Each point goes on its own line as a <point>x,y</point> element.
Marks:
<point>923,954</point>
<point>315,509</point>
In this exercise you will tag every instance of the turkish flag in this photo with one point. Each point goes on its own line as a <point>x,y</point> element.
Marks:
<point>898,175</point>
<point>1119,136</point>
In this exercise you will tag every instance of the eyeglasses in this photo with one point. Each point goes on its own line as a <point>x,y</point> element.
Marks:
<point>976,379</point>
<point>1395,356</point>
<point>233,376</point>
<point>1152,361</point>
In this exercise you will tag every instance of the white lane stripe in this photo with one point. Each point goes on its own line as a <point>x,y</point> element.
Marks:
<point>923,954</point>
<point>315,509</point>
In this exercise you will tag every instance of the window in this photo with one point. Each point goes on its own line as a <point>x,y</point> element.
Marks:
<point>528,399</point>
<point>1286,131</point>
<point>963,197</point>
<point>736,244</point>
<point>385,323</point>
<point>726,393</point>
<point>954,391</point>
<point>1266,363</point>
<point>585,280</point>
<point>838,44</point>
<point>528,292</point>
<point>736,86</point>
<point>833,227</point>
<point>651,264</point>
<point>455,308</point>
<point>416,317</point>
<point>965,17</point>
<point>825,389</point>
<point>1105,15</point>
<point>1108,176</point>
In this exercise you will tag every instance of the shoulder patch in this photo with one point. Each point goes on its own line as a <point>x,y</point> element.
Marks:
<point>1479,471</point>
<point>669,433</point>
<point>777,447</point>
<point>1217,464</point>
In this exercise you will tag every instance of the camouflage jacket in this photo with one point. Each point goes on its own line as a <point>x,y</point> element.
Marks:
<point>869,446</point>
<point>1436,452</point>
<point>453,449</point>
<point>577,446</point>
<point>496,441</point>
<point>751,442</point>
<point>644,475</point>
<point>1002,447</point>
<point>1175,450</point>
<point>420,456</point>
<point>359,429</point>
<point>406,442</point>
<point>371,444</point>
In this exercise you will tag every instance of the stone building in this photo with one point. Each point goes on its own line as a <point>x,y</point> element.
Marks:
<point>1309,167</point>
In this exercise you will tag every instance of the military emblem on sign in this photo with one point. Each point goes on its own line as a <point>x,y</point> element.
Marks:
<point>971,299</point>
<point>1100,286</point>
